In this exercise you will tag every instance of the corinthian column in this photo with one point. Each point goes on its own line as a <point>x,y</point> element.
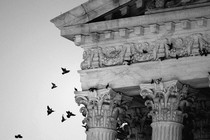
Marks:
<point>167,101</point>
<point>101,111</point>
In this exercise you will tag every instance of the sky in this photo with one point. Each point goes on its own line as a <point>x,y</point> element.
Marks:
<point>32,53</point>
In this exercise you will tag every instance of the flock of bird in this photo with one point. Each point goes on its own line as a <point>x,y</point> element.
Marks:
<point>50,110</point>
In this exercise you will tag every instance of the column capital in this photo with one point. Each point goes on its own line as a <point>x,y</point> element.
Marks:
<point>166,99</point>
<point>102,107</point>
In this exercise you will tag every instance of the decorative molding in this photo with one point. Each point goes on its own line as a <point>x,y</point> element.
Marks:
<point>137,52</point>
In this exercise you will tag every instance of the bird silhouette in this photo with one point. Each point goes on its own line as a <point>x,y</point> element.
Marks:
<point>204,51</point>
<point>107,85</point>
<point>69,114</point>
<point>63,119</point>
<point>86,127</point>
<point>170,46</point>
<point>145,51</point>
<point>64,71</point>
<point>19,136</point>
<point>177,56</point>
<point>75,89</point>
<point>152,81</point>
<point>49,110</point>
<point>157,81</point>
<point>53,86</point>
<point>161,58</point>
<point>92,89</point>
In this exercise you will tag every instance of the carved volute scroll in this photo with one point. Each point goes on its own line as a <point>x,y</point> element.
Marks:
<point>101,107</point>
<point>167,100</point>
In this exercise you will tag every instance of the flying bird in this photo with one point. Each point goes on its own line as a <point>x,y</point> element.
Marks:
<point>107,85</point>
<point>204,51</point>
<point>92,89</point>
<point>49,110</point>
<point>145,51</point>
<point>86,127</point>
<point>170,46</point>
<point>75,89</point>
<point>64,71</point>
<point>53,86</point>
<point>19,136</point>
<point>63,119</point>
<point>161,58</point>
<point>157,81</point>
<point>69,114</point>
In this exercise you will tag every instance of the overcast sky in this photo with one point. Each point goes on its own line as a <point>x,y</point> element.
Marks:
<point>32,53</point>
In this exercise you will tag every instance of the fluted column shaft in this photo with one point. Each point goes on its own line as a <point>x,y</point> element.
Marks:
<point>101,134</point>
<point>166,131</point>
<point>101,111</point>
<point>167,101</point>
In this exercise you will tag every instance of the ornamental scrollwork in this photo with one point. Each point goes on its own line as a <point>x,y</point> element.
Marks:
<point>139,52</point>
<point>101,107</point>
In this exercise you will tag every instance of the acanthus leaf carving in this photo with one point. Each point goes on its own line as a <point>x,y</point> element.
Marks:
<point>101,107</point>
<point>166,99</point>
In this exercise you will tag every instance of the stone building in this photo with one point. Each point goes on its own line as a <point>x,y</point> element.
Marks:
<point>146,67</point>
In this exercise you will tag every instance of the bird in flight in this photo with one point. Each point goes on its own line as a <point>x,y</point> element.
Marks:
<point>144,51</point>
<point>75,89</point>
<point>19,136</point>
<point>49,110</point>
<point>65,71</point>
<point>53,86</point>
<point>170,46</point>
<point>69,114</point>
<point>107,85</point>
<point>63,119</point>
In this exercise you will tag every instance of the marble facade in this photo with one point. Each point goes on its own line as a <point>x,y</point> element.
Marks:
<point>146,68</point>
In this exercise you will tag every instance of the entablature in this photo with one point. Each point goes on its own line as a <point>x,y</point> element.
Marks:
<point>143,25</point>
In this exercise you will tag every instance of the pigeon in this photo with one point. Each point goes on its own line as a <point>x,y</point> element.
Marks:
<point>92,89</point>
<point>18,136</point>
<point>49,110</point>
<point>161,58</point>
<point>157,81</point>
<point>128,62</point>
<point>177,57</point>
<point>63,119</point>
<point>205,51</point>
<point>75,89</point>
<point>152,81</point>
<point>145,51</point>
<point>65,71</point>
<point>53,86</point>
<point>170,46</point>
<point>107,85</point>
<point>86,127</point>
<point>69,114</point>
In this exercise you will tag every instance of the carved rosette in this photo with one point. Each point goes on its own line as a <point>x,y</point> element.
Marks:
<point>101,107</point>
<point>166,99</point>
